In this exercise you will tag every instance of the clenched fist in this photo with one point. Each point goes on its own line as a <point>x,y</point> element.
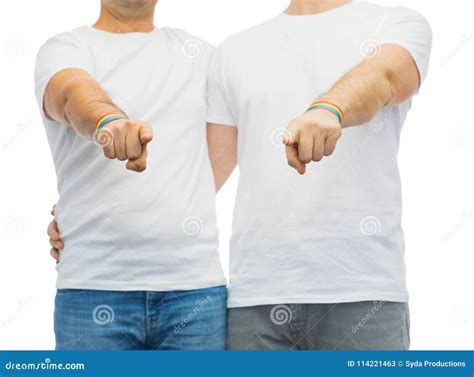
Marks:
<point>311,137</point>
<point>126,139</point>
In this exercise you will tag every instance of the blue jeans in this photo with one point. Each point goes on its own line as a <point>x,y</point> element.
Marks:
<point>111,320</point>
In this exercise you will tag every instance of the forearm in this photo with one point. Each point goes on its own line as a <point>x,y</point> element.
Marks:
<point>222,145</point>
<point>74,98</point>
<point>387,79</point>
<point>361,94</point>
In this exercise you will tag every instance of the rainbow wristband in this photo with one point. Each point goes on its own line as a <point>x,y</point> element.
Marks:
<point>336,110</point>
<point>107,118</point>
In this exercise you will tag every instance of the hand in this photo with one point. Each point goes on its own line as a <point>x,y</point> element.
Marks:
<point>126,139</point>
<point>311,137</point>
<point>54,239</point>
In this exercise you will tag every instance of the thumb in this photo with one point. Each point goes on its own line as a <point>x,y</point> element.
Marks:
<point>139,164</point>
<point>292,134</point>
<point>145,133</point>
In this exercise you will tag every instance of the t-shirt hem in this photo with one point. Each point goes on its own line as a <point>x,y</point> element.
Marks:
<point>237,302</point>
<point>140,286</point>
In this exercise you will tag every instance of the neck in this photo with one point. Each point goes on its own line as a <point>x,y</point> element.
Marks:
<point>137,20</point>
<point>308,7</point>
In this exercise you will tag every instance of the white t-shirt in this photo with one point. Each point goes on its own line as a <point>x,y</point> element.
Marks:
<point>333,235</point>
<point>124,230</point>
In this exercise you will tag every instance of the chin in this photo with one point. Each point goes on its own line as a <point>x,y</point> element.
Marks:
<point>131,3</point>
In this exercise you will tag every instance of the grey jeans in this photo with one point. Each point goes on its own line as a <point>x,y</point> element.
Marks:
<point>371,325</point>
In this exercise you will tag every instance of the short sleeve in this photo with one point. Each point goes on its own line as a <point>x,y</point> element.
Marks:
<point>412,31</point>
<point>218,109</point>
<point>58,53</point>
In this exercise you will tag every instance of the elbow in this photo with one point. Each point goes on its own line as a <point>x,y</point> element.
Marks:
<point>389,88</point>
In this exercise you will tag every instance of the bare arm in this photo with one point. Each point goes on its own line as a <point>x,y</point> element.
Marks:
<point>387,79</point>
<point>74,98</point>
<point>222,144</point>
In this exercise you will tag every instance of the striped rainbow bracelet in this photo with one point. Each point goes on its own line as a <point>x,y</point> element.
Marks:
<point>336,110</point>
<point>107,118</point>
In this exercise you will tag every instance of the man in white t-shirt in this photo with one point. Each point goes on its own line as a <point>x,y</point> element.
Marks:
<point>140,267</point>
<point>317,254</point>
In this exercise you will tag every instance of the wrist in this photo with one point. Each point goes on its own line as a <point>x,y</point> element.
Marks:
<point>323,116</point>
<point>107,118</point>
<point>328,107</point>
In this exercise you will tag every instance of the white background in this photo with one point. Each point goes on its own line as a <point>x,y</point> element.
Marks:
<point>437,165</point>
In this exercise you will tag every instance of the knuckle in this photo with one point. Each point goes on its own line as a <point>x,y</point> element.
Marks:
<point>119,131</point>
<point>310,123</point>
<point>305,157</point>
<point>137,151</point>
<point>312,128</point>
<point>128,123</point>
<point>120,155</point>
<point>295,126</point>
<point>108,154</point>
<point>113,126</point>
